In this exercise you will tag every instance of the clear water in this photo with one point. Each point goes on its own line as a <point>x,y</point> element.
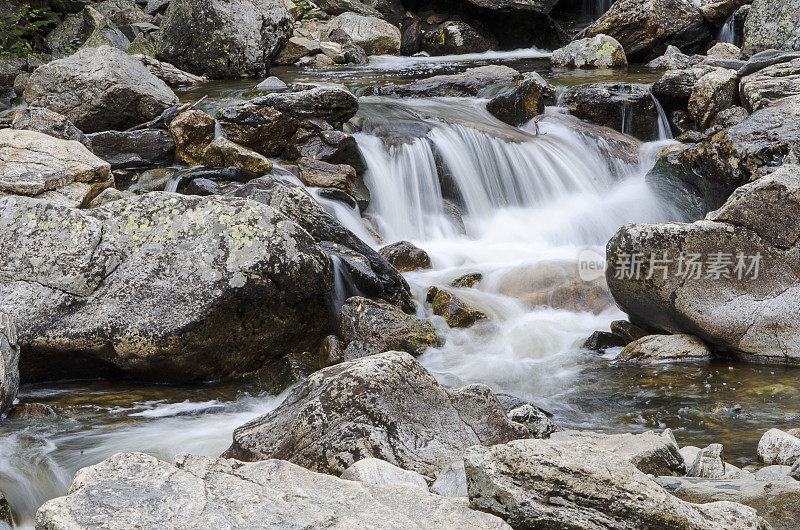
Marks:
<point>532,199</point>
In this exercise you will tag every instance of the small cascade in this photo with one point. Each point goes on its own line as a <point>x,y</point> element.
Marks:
<point>728,31</point>
<point>664,130</point>
<point>343,286</point>
<point>594,9</point>
<point>627,117</point>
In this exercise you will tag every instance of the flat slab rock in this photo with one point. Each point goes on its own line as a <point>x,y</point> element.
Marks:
<point>385,406</point>
<point>135,490</point>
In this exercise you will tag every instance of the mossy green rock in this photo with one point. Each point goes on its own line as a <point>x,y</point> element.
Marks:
<point>159,287</point>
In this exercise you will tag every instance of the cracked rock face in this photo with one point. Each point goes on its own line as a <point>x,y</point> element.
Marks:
<point>134,490</point>
<point>9,368</point>
<point>159,287</point>
<point>575,485</point>
<point>384,406</point>
<point>745,296</point>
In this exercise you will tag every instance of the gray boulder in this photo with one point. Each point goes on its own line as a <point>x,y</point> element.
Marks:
<point>778,447</point>
<point>456,37</point>
<point>384,406</point>
<point>9,367</point>
<point>555,484</point>
<point>664,348</point>
<point>646,28</point>
<point>37,165</point>
<point>731,279</point>
<point>135,490</point>
<point>468,83</point>
<point>763,88</point>
<point>374,35</point>
<point>525,102</point>
<point>708,463</point>
<point>651,453</point>
<point>600,51</point>
<point>48,122</point>
<point>99,89</point>
<point>142,148</point>
<point>380,473</point>
<point>714,92</point>
<point>772,24</point>
<point>160,287</point>
<point>369,327</point>
<point>86,29</point>
<point>170,74</point>
<point>451,481</point>
<point>778,502</point>
<point>674,59</point>
<point>223,39</point>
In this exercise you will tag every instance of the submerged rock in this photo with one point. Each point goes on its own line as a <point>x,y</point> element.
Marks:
<point>99,89</point>
<point>135,490</point>
<point>223,39</point>
<point>60,171</point>
<point>664,348</point>
<point>9,369</point>
<point>775,501</point>
<point>468,83</point>
<point>369,327</point>
<point>728,279</point>
<point>161,287</point>
<point>600,51</point>
<point>384,406</point>
<point>549,483</point>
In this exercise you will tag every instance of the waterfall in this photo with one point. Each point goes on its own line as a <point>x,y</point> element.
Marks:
<point>728,31</point>
<point>664,130</point>
<point>594,9</point>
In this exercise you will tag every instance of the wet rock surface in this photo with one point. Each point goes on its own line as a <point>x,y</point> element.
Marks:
<point>9,370</point>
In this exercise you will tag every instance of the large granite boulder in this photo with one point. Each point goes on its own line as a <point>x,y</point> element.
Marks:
<point>42,166</point>
<point>385,406</point>
<point>525,102</point>
<point>374,35</point>
<point>772,24</point>
<point>372,275</point>
<point>135,490</point>
<point>369,327</point>
<point>645,28</point>
<point>729,279</point>
<point>223,38</point>
<point>600,51</point>
<point>9,366</point>
<point>99,89</point>
<point>160,287</point>
<point>556,484</point>
<point>777,501</point>
<point>465,84</point>
<point>715,91</point>
<point>87,29</point>
<point>763,88</point>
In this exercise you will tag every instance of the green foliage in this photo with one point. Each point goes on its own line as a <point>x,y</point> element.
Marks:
<point>308,10</point>
<point>20,31</point>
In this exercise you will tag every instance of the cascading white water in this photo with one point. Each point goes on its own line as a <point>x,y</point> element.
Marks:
<point>664,130</point>
<point>728,31</point>
<point>595,8</point>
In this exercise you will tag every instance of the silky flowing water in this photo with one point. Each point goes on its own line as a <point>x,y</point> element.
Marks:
<point>531,199</point>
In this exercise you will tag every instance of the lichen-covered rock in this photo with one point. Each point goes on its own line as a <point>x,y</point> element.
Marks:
<point>99,89</point>
<point>651,453</point>
<point>525,102</point>
<point>664,348</point>
<point>160,286</point>
<point>224,153</point>
<point>223,38</point>
<point>86,29</point>
<point>715,91</point>
<point>772,24</point>
<point>468,83</point>
<point>60,171</point>
<point>193,131</point>
<point>372,275</point>
<point>557,484</point>
<point>9,370</point>
<point>404,256</point>
<point>378,472</point>
<point>135,490</point>
<point>374,35</point>
<point>600,51</point>
<point>740,297</point>
<point>778,447</point>
<point>645,28</point>
<point>455,310</point>
<point>674,59</point>
<point>384,406</point>
<point>456,37</point>
<point>627,108</point>
<point>369,327</point>
<point>48,122</point>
